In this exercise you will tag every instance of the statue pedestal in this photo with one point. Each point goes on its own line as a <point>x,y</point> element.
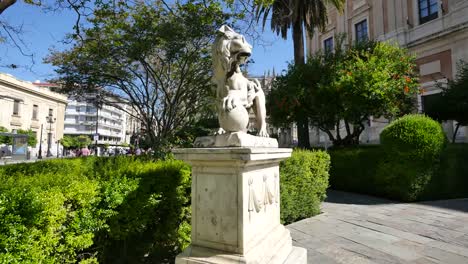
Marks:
<point>236,207</point>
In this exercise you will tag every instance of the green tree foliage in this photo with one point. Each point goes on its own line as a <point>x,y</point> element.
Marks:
<point>4,139</point>
<point>68,142</point>
<point>345,89</point>
<point>32,140</point>
<point>296,15</point>
<point>156,56</point>
<point>452,104</point>
<point>83,141</point>
<point>74,142</point>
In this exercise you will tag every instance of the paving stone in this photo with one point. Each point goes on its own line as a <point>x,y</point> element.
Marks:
<point>362,229</point>
<point>393,231</point>
<point>341,255</point>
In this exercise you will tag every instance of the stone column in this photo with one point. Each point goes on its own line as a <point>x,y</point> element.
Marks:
<point>236,207</point>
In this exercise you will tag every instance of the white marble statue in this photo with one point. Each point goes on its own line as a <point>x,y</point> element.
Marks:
<point>235,94</point>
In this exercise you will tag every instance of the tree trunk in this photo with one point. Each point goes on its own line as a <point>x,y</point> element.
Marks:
<point>454,137</point>
<point>299,59</point>
<point>298,41</point>
<point>303,132</point>
<point>4,4</point>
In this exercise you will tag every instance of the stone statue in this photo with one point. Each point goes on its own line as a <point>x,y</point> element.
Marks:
<point>235,94</point>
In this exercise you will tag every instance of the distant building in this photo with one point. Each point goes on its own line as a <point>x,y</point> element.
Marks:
<point>25,105</point>
<point>133,124</point>
<point>287,136</point>
<point>116,124</point>
<point>82,116</point>
<point>436,31</point>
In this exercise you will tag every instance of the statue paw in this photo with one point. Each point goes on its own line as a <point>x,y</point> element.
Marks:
<point>220,131</point>
<point>228,103</point>
<point>263,133</point>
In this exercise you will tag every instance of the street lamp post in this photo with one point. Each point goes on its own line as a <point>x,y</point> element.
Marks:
<point>50,120</point>
<point>39,156</point>
<point>96,135</point>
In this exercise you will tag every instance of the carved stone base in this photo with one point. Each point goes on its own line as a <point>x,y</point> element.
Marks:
<point>235,139</point>
<point>236,207</point>
<point>204,255</point>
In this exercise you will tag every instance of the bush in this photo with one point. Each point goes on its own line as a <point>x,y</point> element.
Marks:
<point>115,210</point>
<point>354,169</point>
<point>451,179</point>
<point>121,209</point>
<point>412,146</point>
<point>414,136</point>
<point>412,163</point>
<point>304,181</point>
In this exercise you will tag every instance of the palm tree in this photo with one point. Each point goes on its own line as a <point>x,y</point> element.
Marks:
<point>300,15</point>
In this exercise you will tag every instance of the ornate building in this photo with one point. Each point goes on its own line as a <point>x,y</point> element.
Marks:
<point>25,105</point>
<point>436,31</point>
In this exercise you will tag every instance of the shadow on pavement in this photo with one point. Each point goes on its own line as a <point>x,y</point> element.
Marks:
<point>339,197</point>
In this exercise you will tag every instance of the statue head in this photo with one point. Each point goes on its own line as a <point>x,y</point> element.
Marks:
<point>230,49</point>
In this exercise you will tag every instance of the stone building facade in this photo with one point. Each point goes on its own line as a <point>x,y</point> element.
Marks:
<point>27,106</point>
<point>436,31</point>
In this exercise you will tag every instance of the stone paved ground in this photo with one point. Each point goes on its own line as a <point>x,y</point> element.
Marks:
<point>362,229</point>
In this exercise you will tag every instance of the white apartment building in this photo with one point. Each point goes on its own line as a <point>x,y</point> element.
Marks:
<point>436,31</point>
<point>23,105</point>
<point>82,117</point>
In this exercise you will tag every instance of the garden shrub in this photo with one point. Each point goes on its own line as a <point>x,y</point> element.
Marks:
<point>451,178</point>
<point>412,146</point>
<point>121,209</point>
<point>354,168</point>
<point>414,136</point>
<point>111,210</point>
<point>304,181</point>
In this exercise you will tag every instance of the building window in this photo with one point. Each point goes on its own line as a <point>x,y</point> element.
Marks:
<point>328,44</point>
<point>361,31</point>
<point>77,108</point>
<point>16,107</point>
<point>35,110</point>
<point>428,10</point>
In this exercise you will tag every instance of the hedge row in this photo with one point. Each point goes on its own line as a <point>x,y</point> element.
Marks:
<point>121,209</point>
<point>111,210</point>
<point>412,163</point>
<point>356,170</point>
<point>304,181</point>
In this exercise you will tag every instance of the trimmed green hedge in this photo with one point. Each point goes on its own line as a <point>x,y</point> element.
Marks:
<point>356,170</point>
<point>111,210</point>
<point>451,179</point>
<point>304,181</point>
<point>121,209</point>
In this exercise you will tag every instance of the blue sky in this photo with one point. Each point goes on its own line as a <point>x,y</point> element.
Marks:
<point>43,31</point>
